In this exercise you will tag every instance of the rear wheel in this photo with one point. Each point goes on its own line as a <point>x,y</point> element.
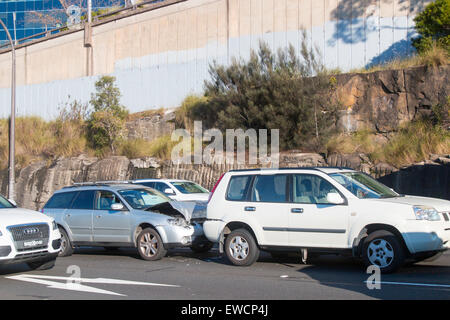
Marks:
<point>150,245</point>
<point>241,248</point>
<point>66,246</point>
<point>382,249</point>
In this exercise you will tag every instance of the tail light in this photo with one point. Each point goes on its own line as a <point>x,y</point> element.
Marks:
<point>215,186</point>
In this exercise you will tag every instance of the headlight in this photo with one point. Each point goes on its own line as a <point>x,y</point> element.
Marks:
<point>177,222</point>
<point>54,225</point>
<point>426,213</point>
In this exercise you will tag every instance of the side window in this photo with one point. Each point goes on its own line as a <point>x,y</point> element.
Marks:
<point>60,200</point>
<point>269,188</point>
<point>237,188</point>
<point>105,199</point>
<point>84,200</point>
<point>148,184</point>
<point>308,188</point>
<point>161,186</point>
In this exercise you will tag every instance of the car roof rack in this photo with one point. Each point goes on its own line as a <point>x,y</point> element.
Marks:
<point>293,168</point>
<point>97,183</point>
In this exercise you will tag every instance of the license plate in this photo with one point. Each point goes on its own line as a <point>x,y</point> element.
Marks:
<point>33,243</point>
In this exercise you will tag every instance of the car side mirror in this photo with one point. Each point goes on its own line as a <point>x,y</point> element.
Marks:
<point>169,191</point>
<point>13,202</point>
<point>117,206</point>
<point>334,198</point>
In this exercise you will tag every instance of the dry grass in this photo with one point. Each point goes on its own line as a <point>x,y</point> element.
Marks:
<point>436,56</point>
<point>415,142</point>
<point>38,140</point>
<point>411,144</point>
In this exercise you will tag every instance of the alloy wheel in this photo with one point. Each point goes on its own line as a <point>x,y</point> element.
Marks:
<point>239,248</point>
<point>149,244</point>
<point>380,253</point>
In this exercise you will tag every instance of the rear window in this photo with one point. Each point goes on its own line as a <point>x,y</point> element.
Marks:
<point>84,200</point>
<point>237,188</point>
<point>60,200</point>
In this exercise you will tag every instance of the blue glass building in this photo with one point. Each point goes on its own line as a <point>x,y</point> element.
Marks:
<point>35,16</point>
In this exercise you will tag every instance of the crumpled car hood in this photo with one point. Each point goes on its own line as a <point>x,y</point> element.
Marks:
<point>183,209</point>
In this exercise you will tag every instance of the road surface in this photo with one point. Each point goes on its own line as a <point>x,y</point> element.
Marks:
<point>94,273</point>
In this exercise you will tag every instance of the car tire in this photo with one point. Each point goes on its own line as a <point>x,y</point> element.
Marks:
<point>241,248</point>
<point>383,249</point>
<point>150,245</point>
<point>66,248</point>
<point>42,265</point>
<point>202,247</point>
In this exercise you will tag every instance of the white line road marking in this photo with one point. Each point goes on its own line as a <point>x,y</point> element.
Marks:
<point>75,284</point>
<point>412,284</point>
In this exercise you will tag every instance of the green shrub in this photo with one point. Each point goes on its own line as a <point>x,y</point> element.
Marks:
<point>269,91</point>
<point>107,120</point>
<point>433,26</point>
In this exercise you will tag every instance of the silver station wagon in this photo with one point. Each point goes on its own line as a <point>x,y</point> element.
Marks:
<point>114,215</point>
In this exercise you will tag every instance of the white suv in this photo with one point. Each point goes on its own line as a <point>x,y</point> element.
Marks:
<point>323,210</point>
<point>27,236</point>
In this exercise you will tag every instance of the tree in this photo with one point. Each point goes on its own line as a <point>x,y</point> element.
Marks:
<point>107,120</point>
<point>433,26</point>
<point>272,91</point>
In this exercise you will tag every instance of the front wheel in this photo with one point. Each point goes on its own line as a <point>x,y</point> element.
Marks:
<point>66,246</point>
<point>383,249</point>
<point>150,245</point>
<point>241,248</point>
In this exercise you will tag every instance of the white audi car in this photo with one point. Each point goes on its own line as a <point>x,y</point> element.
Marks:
<point>27,236</point>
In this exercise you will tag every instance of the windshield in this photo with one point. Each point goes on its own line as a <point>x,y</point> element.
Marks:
<point>143,198</point>
<point>5,203</point>
<point>188,187</point>
<point>363,186</point>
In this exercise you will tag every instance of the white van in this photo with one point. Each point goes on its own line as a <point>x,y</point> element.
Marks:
<point>323,210</point>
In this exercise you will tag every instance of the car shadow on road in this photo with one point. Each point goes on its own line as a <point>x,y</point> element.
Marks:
<point>410,282</point>
<point>119,252</point>
<point>10,269</point>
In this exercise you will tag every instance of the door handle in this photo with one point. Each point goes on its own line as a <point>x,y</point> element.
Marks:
<point>68,215</point>
<point>98,216</point>
<point>297,210</point>
<point>250,209</point>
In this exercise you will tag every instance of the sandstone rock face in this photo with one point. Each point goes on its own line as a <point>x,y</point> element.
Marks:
<point>37,182</point>
<point>151,127</point>
<point>384,100</point>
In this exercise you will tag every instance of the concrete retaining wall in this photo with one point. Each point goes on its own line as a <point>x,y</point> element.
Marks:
<point>160,56</point>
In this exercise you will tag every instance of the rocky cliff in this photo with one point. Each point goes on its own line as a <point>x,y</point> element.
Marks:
<point>383,100</point>
<point>37,182</point>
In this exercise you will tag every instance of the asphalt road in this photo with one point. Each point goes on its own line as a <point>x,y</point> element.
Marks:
<point>185,275</point>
